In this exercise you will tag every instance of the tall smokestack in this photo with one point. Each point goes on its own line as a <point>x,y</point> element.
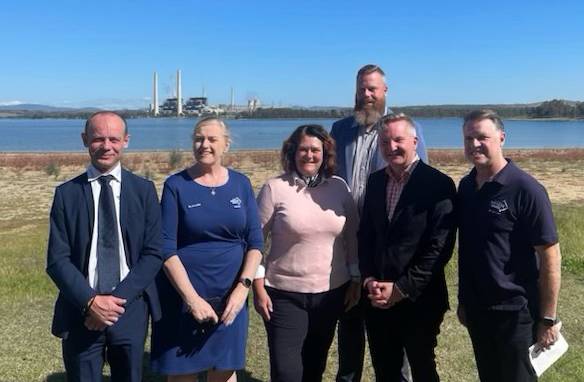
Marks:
<point>155,95</point>
<point>232,99</point>
<point>178,95</point>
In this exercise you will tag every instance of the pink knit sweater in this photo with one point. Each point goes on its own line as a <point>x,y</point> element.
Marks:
<point>313,234</point>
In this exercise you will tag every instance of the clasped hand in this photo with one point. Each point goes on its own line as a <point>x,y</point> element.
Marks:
<point>104,311</point>
<point>383,294</point>
<point>201,310</point>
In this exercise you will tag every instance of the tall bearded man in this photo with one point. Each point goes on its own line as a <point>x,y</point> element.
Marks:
<point>358,156</point>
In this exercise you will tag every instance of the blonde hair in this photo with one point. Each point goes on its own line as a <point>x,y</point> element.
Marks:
<point>212,119</point>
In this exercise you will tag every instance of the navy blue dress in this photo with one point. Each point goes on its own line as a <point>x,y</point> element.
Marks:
<point>210,229</point>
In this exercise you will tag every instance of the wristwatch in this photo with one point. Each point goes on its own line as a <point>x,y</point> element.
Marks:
<point>245,282</point>
<point>549,321</point>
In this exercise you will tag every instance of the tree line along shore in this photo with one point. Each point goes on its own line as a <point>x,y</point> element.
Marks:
<point>553,109</point>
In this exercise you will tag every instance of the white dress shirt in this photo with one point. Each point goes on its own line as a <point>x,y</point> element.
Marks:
<point>116,185</point>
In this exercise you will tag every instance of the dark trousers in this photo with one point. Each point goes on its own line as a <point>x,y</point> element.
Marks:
<point>390,331</point>
<point>351,343</point>
<point>122,344</point>
<point>501,341</point>
<point>300,332</point>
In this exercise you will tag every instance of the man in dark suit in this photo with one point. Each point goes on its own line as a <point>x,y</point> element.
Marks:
<point>103,255</point>
<point>358,156</point>
<point>403,249</point>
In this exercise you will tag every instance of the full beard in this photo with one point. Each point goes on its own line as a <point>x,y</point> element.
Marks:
<point>367,114</point>
<point>367,117</point>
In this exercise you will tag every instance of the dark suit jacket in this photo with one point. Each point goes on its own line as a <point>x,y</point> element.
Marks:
<point>344,132</point>
<point>414,247</point>
<point>71,227</point>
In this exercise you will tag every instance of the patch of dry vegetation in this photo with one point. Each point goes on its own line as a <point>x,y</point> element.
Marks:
<point>26,189</point>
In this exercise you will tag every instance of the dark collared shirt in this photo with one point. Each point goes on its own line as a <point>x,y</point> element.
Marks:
<point>499,225</point>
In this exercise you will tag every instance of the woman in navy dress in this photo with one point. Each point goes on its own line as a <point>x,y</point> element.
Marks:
<point>212,243</point>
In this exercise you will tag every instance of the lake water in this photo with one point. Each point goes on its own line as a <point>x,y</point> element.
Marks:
<point>174,133</point>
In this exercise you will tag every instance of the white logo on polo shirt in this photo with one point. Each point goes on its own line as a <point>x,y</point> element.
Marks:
<point>498,206</point>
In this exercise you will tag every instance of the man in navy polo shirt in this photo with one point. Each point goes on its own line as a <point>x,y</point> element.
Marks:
<point>509,256</point>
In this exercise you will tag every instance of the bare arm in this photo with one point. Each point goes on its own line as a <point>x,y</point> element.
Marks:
<point>239,294</point>
<point>549,290</point>
<point>253,257</point>
<point>261,300</point>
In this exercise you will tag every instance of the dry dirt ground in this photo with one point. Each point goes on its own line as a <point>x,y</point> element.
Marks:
<point>27,180</point>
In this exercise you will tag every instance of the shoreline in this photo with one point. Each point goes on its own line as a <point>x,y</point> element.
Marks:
<point>9,115</point>
<point>248,150</point>
<point>258,159</point>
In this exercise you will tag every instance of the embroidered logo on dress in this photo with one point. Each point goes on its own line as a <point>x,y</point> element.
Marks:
<point>194,205</point>
<point>498,206</point>
<point>235,202</point>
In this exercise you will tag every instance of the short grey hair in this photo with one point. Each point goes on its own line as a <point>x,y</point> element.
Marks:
<point>395,117</point>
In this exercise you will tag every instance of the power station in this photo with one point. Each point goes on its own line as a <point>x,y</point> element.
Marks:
<point>175,106</point>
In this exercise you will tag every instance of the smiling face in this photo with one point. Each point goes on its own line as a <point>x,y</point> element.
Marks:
<point>210,143</point>
<point>398,143</point>
<point>483,143</point>
<point>370,98</point>
<point>105,139</point>
<point>309,155</point>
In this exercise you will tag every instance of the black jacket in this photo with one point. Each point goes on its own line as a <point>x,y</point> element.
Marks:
<point>414,247</point>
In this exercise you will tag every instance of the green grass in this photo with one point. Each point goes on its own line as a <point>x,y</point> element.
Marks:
<point>570,222</point>
<point>28,352</point>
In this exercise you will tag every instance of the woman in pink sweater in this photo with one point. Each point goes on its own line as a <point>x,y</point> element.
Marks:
<point>311,273</point>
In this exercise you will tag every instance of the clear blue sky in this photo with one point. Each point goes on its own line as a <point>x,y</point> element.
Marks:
<point>103,53</point>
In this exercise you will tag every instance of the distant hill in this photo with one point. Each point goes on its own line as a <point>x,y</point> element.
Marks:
<point>45,108</point>
<point>32,107</point>
<point>32,110</point>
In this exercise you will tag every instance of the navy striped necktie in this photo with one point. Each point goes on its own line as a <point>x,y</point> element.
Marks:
<point>108,249</point>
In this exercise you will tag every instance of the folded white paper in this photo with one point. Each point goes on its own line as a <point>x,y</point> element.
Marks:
<point>541,359</point>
